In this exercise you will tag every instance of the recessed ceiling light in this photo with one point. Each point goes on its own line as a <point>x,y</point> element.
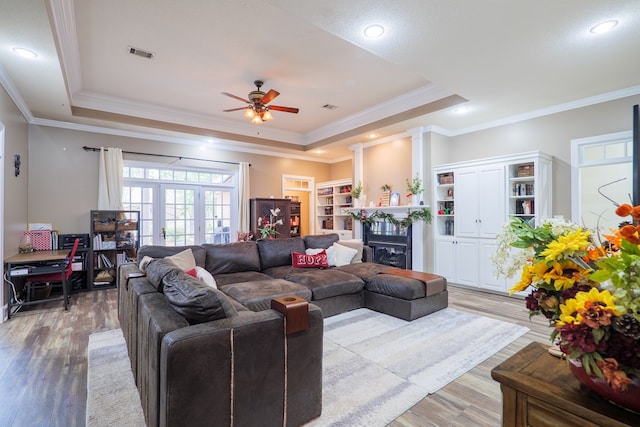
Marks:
<point>603,27</point>
<point>25,53</point>
<point>372,135</point>
<point>374,31</point>
<point>461,110</point>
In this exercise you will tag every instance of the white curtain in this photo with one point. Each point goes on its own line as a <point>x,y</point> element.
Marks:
<point>243,197</point>
<point>110,179</point>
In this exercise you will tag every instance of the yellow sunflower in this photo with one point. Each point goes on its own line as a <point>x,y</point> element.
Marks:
<point>567,245</point>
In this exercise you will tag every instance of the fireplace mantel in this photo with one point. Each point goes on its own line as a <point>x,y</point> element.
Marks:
<point>396,211</point>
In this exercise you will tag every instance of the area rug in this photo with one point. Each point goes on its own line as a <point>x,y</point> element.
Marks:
<point>112,396</point>
<point>375,367</point>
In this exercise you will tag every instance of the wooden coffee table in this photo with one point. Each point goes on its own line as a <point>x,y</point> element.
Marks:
<point>539,390</point>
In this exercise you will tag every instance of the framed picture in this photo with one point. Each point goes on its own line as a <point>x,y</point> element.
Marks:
<point>395,199</point>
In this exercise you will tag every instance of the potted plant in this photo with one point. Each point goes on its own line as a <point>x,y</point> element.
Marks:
<point>414,188</point>
<point>356,192</point>
<point>268,230</point>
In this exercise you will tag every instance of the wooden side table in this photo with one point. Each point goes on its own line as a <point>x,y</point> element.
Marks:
<point>539,390</point>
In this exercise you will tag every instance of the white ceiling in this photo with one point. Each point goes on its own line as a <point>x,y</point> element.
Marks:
<point>504,58</point>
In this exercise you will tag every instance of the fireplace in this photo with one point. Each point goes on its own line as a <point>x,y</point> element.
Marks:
<point>390,244</point>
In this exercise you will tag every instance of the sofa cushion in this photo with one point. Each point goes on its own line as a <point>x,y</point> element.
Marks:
<point>364,270</point>
<point>232,257</point>
<point>310,261</point>
<point>157,269</point>
<point>239,277</point>
<point>157,251</point>
<point>396,286</point>
<point>327,283</point>
<point>195,301</point>
<point>281,272</point>
<point>322,241</point>
<point>257,296</point>
<point>277,252</point>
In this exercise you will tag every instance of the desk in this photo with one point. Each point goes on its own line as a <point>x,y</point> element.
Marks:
<point>539,389</point>
<point>34,258</point>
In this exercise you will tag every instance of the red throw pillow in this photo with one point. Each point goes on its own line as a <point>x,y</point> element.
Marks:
<point>307,261</point>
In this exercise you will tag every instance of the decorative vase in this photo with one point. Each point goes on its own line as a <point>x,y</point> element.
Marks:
<point>415,200</point>
<point>356,203</point>
<point>628,399</point>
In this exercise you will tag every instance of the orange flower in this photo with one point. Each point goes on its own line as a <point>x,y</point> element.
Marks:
<point>617,378</point>
<point>635,212</point>
<point>624,209</point>
<point>630,232</point>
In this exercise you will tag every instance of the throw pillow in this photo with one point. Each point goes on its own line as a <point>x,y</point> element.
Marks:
<point>195,301</point>
<point>206,277</point>
<point>344,255</point>
<point>184,260</point>
<point>353,244</point>
<point>144,262</point>
<point>331,254</point>
<point>299,260</point>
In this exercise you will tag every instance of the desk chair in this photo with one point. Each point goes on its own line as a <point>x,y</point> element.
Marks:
<point>45,280</point>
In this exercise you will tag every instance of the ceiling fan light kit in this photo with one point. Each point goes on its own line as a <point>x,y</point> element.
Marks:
<point>257,110</point>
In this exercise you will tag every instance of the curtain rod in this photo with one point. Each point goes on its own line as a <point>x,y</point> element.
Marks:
<point>86,148</point>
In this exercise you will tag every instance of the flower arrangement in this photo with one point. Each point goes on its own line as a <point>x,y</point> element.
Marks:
<point>587,288</point>
<point>414,186</point>
<point>385,187</point>
<point>356,191</point>
<point>268,225</point>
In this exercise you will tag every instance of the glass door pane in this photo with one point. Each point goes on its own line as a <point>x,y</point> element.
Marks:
<point>179,215</point>
<point>217,216</point>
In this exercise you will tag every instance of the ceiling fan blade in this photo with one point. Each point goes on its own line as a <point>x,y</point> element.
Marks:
<point>285,109</point>
<point>235,109</point>
<point>269,96</point>
<point>235,97</point>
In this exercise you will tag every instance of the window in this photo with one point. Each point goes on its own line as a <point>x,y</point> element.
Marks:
<point>601,163</point>
<point>181,206</point>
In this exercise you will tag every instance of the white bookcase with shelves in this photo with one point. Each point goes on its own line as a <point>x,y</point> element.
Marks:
<point>332,200</point>
<point>529,189</point>
<point>445,203</point>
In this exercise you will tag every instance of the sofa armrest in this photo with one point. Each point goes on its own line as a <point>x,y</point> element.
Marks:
<point>235,368</point>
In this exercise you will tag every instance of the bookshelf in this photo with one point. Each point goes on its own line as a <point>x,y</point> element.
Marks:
<point>115,238</point>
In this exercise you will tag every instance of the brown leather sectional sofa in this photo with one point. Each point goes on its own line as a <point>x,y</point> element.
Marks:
<point>204,356</point>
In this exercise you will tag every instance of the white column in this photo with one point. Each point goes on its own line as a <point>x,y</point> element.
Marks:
<point>358,174</point>
<point>418,235</point>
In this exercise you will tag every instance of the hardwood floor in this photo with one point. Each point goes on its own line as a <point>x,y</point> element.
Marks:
<point>43,363</point>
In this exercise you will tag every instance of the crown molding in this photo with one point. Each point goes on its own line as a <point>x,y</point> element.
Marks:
<point>15,96</point>
<point>567,106</point>
<point>416,98</point>
<point>62,14</point>
<point>225,145</point>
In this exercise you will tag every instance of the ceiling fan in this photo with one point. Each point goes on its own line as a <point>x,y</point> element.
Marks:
<point>258,110</point>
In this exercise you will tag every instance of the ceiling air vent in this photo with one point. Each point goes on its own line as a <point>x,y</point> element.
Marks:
<point>329,106</point>
<point>140,52</point>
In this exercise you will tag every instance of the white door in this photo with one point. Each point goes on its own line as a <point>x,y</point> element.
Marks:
<point>445,259</point>
<point>466,202</point>
<point>179,215</point>
<point>466,262</point>
<point>491,200</point>
<point>487,278</point>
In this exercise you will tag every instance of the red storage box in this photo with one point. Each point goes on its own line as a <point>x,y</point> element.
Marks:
<point>40,239</point>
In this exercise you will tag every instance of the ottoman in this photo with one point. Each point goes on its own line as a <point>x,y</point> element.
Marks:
<point>406,294</point>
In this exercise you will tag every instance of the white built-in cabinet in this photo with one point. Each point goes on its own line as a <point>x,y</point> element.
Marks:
<point>333,198</point>
<point>472,202</point>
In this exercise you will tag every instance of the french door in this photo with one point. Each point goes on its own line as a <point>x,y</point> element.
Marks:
<point>177,215</point>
